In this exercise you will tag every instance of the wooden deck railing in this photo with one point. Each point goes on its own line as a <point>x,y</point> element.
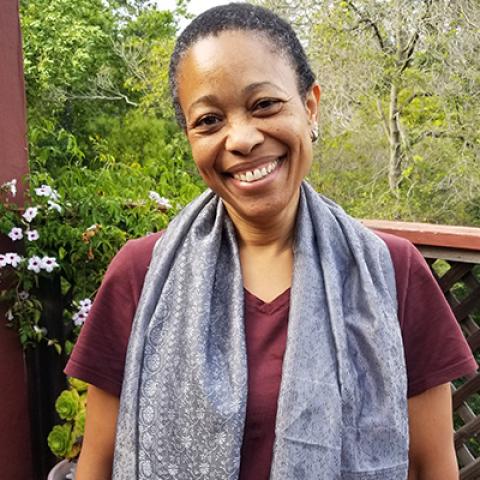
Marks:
<point>453,254</point>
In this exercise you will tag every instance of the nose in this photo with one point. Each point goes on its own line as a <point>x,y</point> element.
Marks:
<point>243,136</point>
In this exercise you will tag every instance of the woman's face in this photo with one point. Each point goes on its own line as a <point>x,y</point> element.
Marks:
<point>247,124</point>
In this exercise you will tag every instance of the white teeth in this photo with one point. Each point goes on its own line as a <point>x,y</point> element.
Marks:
<point>257,174</point>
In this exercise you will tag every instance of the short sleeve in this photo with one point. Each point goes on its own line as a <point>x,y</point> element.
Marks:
<point>436,351</point>
<point>99,354</point>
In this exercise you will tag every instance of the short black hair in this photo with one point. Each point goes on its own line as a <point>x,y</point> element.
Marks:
<point>241,17</point>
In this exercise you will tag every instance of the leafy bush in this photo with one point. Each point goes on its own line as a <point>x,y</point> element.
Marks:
<point>71,228</point>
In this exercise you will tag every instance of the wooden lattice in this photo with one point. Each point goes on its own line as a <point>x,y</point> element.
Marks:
<point>460,282</point>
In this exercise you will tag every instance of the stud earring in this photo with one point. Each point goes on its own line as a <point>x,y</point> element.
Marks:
<point>314,132</point>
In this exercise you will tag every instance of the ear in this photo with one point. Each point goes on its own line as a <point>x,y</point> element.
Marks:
<point>312,100</point>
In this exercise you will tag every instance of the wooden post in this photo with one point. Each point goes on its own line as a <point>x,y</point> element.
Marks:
<point>15,453</point>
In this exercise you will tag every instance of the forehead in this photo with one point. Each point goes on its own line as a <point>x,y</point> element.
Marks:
<point>233,58</point>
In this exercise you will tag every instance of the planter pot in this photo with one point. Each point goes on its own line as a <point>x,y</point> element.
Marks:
<point>61,470</point>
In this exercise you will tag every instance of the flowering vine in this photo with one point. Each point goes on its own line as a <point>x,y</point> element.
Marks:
<point>30,263</point>
<point>56,243</point>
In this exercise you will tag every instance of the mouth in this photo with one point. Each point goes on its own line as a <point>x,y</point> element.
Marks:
<point>251,176</point>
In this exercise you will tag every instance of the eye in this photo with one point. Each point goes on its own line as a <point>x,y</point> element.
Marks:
<point>207,121</point>
<point>267,105</point>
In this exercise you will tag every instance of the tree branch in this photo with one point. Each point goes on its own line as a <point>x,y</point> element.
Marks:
<point>467,19</point>
<point>116,97</point>
<point>386,128</point>
<point>412,97</point>
<point>412,42</point>
<point>369,22</point>
<point>408,51</point>
<point>442,134</point>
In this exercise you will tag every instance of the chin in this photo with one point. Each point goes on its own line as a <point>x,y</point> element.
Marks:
<point>260,211</point>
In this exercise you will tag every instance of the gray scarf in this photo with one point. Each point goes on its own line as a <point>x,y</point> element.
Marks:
<point>342,408</point>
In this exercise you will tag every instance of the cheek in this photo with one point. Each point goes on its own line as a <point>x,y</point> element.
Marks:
<point>203,157</point>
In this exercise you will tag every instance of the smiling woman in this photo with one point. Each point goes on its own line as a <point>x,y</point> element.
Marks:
<point>273,337</point>
<point>245,115</point>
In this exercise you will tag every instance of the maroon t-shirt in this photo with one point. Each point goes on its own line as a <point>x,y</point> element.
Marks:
<point>435,350</point>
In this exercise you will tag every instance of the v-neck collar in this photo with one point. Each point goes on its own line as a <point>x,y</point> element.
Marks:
<point>252,301</point>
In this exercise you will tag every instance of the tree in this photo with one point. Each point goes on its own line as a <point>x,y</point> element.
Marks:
<point>401,86</point>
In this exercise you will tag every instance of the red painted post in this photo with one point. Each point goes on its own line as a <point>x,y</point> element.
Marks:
<point>15,453</point>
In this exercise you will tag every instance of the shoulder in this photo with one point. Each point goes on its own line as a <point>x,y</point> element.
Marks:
<point>132,260</point>
<point>99,354</point>
<point>409,265</point>
<point>435,349</point>
<point>399,248</point>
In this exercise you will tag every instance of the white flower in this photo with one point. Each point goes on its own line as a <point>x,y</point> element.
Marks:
<point>54,206</point>
<point>162,202</point>
<point>85,303</point>
<point>32,235</point>
<point>41,331</point>
<point>30,213</point>
<point>49,263</point>
<point>3,261</point>
<point>9,315</point>
<point>78,322</point>
<point>47,191</point>
<point>44,191</point>
<point>23,295</point>
<point>54,195</point>
<point>79,318</point>
<point>34,264</point>
<point>83,310</point>
<point>13,259</point>
<point>153,196</point>
<point>12,186</point>
<point>16,233</point>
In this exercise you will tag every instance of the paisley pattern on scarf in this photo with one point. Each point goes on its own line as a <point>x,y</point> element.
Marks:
<point>342,408</point>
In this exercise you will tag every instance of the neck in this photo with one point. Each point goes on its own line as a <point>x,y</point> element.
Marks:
<point>266,233</point>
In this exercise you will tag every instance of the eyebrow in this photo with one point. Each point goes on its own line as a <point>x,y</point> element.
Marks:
<point>203,99</point>
<point>247,90</point>
<point>256,85</point>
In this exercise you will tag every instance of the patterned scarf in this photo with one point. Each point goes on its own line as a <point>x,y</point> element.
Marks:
<point>342,408</point>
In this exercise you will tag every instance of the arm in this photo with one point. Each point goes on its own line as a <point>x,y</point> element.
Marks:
<point>432,453</point>
<point>96,458</point>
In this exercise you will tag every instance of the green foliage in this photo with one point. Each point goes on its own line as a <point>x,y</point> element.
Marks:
<point>65,440</point>
<point>102,138</point>
<point>60,440</point>
<point>68,404</point>
<point>63,44</point>
<point>96,212</point>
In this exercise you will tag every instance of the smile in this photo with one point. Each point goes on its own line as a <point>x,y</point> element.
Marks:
<point>257,174</point>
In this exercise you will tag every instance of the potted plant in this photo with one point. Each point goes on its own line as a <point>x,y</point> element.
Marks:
<point>65,440</point>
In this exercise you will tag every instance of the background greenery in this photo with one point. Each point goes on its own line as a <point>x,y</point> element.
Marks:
<point>102,135</point>
<point>400,105</point>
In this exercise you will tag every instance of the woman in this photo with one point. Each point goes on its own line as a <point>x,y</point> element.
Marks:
<point>212,386</point>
